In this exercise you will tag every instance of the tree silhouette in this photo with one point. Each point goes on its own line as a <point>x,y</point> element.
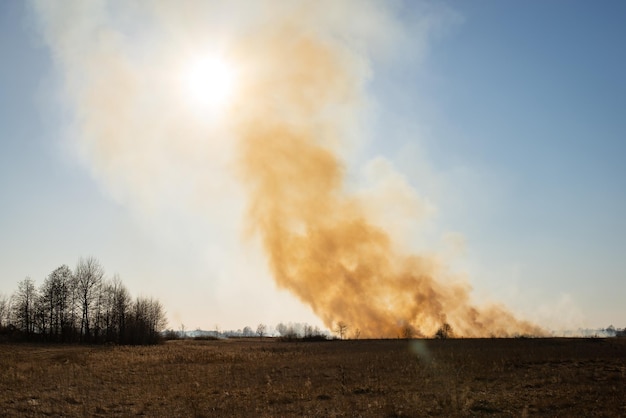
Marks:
<point>408,332</point>
<point>341,329</point>
<point>80,306</point>
<point>89,275</point>
<point>260,330</point>
<point>247,332</point>
<point>4,310</point>
<point>55,298</point>
<point>24,306</point>
<point>444,331</point>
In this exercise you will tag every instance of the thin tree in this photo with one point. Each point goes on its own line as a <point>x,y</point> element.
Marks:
<point>106,325</point>
<point>341,329</point>
<point>54,295</point>
<point>247,332</point>
<point>89,275</point>
<point>40,317</point>
<point>4,310</point>
<point>157,320</point>
<point>308,331</point>
<point>147,321</point>
<point>121,306</point>
<point>138,322</point>
<point>408,332</point>
<point>444,331</point>
<point>260,330</point>
<point>24,305</point>
<point>282,329</point>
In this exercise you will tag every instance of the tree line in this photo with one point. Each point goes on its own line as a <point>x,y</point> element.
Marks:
<point>80,306</point>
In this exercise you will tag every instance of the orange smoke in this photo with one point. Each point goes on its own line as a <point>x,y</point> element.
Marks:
<point>321,245</point>
<point>302,68</point>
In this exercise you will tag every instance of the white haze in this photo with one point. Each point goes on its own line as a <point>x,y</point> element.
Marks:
<point>199,181</point>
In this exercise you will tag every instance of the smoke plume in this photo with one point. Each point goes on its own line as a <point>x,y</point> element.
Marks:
<point>302,81</point>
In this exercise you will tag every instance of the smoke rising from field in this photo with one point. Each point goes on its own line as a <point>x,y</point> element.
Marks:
<point>301,89</point>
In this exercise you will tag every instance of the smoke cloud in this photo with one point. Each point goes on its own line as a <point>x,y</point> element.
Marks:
<point>302,71</point>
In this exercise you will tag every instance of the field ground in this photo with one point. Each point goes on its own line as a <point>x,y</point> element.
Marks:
<point>490,377</point>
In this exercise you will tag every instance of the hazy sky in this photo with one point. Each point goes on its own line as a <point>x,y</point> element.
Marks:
<point>505,122</point>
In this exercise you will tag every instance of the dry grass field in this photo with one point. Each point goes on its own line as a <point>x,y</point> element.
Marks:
<point>490,377</point>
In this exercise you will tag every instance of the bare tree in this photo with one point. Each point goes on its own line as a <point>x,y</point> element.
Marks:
<point>317,332</point>
<point>106,326</point>
<point>308,331</point>
<point>24,305</point>
<point>121,305</point>
<point>289,332</point>
<point>138,321</point>
<point>105,308</point>
<point>111,311</point>
<point>40,317</point>
<point>408,332</point>
<point>341,329</point>
<point>4,310</point>
<point>55,300</point>
<point>70,325</point>
<point>444,331</point>
<point>282,329</point>
<point>357,333</point>
<point>158,321</point>
<point>260,330</point>
<point>147,321</point>
<point>89,275</point>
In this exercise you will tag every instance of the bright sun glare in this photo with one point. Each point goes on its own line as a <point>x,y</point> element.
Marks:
<point>209,82</point>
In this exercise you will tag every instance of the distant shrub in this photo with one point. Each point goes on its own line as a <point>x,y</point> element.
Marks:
<point>444,331</point>
<point>307,339</point>
<point>313,338</point>
<point>205,338</point>
<point>170,334</point>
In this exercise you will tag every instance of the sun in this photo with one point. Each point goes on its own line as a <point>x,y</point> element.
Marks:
<point>209,82</point>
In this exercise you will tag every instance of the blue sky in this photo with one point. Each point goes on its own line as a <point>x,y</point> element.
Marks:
<point>521,109</point>
<point>509,118</point>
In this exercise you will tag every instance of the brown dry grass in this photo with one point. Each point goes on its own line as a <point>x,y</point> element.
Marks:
<point>496,377</point>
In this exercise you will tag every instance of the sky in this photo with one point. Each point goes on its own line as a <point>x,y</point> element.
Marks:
<point>489,135</point>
